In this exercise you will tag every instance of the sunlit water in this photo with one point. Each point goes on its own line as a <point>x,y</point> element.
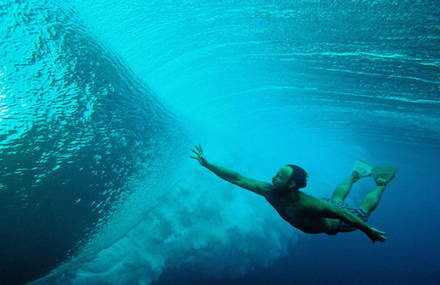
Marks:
<point>101,102</point>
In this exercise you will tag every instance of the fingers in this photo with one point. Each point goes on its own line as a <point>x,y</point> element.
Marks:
<point>380,238</point>
<point>198,152</point>
<point>377,231</point>
<point>199,148</point>
<point>381,232</point>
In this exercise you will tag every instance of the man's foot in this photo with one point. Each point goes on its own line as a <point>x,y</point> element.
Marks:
<point>384,174</point>
<point>361,169</point>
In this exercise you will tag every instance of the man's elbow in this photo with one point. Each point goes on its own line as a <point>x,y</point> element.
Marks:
<point>236,179</point>
<point>231,177</point>
<point>232,180</point>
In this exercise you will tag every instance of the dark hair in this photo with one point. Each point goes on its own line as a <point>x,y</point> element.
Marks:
<point>299,175</point>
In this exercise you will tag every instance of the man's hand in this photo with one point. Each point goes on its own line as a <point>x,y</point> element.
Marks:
<point>200,157</point>
<point>376,235</point>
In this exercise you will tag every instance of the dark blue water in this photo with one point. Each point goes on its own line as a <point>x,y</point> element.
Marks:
<point>101,102</point>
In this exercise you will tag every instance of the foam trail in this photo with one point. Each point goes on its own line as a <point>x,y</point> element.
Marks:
<point>199,222</point>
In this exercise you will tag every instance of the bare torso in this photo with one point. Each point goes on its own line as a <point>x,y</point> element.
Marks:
<point>294,209</point>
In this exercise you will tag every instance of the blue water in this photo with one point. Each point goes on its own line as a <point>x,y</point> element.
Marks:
<point>101,102</point>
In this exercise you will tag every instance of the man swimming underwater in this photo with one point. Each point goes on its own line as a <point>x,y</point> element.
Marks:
<point>305,212</point>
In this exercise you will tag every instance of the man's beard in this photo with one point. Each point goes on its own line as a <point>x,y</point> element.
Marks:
<point>282,190</point>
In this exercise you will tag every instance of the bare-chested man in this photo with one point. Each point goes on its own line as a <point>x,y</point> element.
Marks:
<point>305,212</point>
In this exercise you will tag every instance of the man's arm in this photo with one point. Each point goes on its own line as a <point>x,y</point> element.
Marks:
<point>324,209</point>
<point>236,178</point>
<point>348,218</point>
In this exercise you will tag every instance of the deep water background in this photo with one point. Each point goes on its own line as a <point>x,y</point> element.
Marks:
<point>101,102</point>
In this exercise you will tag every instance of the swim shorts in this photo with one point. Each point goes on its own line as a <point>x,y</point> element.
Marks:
<point>343,227</point>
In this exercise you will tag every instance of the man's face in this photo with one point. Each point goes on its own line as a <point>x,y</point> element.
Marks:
<point>281,178</point>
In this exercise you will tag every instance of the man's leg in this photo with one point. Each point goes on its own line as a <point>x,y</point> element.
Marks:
<point>382,176</point>
<point>344,188</point>
<point>370,201</point>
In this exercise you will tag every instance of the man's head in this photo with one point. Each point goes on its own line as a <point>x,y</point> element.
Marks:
<point>290,177</point>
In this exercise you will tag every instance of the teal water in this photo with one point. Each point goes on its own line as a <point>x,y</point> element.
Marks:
<point>101,102</point>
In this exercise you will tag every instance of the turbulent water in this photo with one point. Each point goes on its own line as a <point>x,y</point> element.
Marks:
<point>101,101</point>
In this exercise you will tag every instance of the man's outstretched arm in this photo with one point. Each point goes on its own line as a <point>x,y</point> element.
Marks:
<point>355,221</point>
<point>327,210</point>
<point>224,173</point>
<point>231,176</point>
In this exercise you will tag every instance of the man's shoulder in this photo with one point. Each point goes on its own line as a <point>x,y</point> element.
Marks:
<point>259,187</point>
<point>266,188</point>
<point>304,197</point>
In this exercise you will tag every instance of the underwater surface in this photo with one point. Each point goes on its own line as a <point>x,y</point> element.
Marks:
<point>101,102</point>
